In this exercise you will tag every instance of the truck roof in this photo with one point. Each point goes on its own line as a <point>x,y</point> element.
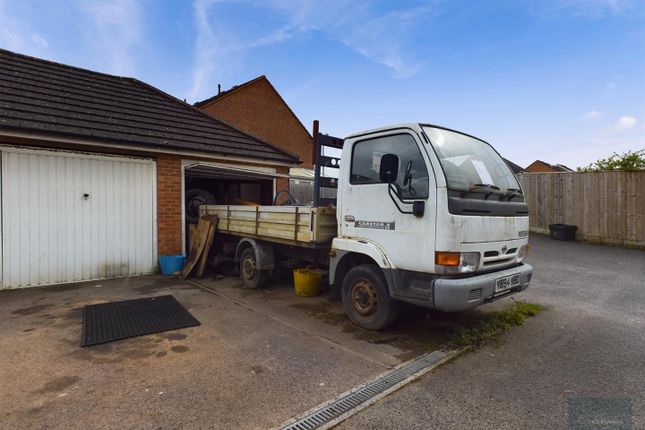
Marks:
<point>412,125</point>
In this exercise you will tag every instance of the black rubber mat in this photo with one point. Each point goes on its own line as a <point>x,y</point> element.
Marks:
<point>108,322</point>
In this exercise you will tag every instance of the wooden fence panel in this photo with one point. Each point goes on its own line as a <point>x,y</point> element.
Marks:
<point>606,206</point>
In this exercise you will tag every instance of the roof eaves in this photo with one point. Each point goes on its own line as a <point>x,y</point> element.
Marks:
<point>100,141</point>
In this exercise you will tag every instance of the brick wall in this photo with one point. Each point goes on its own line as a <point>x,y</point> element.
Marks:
<point>282,184</point>
<point>258,110</point>
<point>169,205</point>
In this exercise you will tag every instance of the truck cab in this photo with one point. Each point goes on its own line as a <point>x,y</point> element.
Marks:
<point>429,216</point>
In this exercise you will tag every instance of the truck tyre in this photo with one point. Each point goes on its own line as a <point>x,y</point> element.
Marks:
<point>366,298</point>
<point>251,276</point>
<point>196,197</point>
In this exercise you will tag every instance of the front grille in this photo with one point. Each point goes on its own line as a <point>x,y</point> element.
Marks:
<point>498,258</point>
<point>496,262</point>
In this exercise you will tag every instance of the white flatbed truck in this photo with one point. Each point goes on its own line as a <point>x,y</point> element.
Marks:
<point>423,214</point>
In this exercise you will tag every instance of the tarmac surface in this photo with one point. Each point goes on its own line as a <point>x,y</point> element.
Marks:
<point>586,350</point>
<point>261,357</point>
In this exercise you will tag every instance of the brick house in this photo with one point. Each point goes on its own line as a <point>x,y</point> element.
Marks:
<point>539,166</point>
<point>257,108</point>
<point>96,168</point>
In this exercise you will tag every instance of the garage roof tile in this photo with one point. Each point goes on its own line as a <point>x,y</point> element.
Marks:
<point>42,96</point>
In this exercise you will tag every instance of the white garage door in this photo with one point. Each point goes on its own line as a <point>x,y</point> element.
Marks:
<point>70,217</point>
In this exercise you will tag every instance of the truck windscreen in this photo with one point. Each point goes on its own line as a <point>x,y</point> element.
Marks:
<point>470,163</point>
<point>480,183</point>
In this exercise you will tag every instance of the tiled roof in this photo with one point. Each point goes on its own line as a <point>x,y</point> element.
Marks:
<point>233,89</point>
<point>514,167</point>
<point>51,98</point>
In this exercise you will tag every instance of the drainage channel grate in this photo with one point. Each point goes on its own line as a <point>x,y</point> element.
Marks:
<point>332,411</point>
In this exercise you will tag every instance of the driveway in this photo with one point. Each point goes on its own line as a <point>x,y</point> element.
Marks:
<point>239,369</point>
<point>259,357</point>
<point>589,342</point>
<point>263,356</point>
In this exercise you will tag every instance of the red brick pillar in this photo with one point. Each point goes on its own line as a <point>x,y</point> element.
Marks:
<point>169,205</point>
<point>282,184</point>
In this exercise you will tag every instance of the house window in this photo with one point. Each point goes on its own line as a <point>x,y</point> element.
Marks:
<point>366,162</point>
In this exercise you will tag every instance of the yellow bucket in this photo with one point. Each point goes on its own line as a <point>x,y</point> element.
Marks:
<point>306,282</point>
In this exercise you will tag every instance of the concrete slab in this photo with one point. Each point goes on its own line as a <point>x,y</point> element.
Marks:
<point>240,369</point>
<point>416,332</point>
<point>259,357</point>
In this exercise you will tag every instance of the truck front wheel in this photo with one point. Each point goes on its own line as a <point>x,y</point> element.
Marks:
<point>251,276</point>
<point>366,299</point>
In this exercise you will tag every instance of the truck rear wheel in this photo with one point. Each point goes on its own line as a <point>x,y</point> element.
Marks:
<point>366,299</point>
<point>251,276</point>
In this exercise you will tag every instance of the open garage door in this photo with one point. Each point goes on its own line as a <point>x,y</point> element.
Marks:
<point>70,217</point>
<point>224,184</point>
<point>211,183</point>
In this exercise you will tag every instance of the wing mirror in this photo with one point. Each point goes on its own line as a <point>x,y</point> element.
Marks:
<point>389,169</point>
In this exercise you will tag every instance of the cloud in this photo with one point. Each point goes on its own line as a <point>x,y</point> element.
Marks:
<point>117,27</point>
<point>39,40</point>
<point>625,123</point>
<point>16,34</point>
<point>213,52</point>
<point>582,8</point>
<point>622,125</point>
<point>592,115</point>
<point>383,37</point>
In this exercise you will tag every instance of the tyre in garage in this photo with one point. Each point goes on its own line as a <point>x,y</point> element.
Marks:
<point>196,197</point>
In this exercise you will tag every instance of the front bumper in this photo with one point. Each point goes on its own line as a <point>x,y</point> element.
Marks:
<point>458,294</point>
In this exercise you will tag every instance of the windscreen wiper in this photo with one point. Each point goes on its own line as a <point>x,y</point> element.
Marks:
<point>495,187</point>
<point>513,192</point>
<point>488,189</point>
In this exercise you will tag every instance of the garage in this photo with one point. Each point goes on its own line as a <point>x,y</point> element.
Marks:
<point>72,216</point>
<point>96,169</point>
<point>225,184</point>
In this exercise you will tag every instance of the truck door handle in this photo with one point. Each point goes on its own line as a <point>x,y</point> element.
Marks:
<point>350,218</point>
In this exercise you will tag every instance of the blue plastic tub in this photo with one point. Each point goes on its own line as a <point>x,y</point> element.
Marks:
<point>171,264</point>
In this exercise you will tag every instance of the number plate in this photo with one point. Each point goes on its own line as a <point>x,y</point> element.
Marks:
<point>507,282</point>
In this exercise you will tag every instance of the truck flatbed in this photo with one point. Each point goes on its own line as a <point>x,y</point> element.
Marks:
<point>303,226</point>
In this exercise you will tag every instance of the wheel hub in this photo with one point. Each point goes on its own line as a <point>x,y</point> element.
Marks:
<point>363,297</point>
<point>248,268</point>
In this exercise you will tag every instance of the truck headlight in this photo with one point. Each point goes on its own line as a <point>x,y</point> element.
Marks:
<point>523,252</point>
<point>452,263</point>
<point>469,262</point>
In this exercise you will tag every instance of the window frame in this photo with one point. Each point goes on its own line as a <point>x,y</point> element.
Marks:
<point>398,133</point>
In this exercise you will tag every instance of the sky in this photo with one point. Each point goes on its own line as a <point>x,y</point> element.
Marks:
<point>557,80</point>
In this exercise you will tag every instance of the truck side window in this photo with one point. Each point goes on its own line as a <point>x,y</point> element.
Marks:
<point>366,162</point>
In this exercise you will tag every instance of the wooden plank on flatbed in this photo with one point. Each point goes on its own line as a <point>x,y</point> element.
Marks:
<point>298,225</point>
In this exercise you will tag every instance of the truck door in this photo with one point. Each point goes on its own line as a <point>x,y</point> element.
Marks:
<point>370,211</point>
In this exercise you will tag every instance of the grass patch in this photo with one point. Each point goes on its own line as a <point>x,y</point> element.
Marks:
<point>478,335</point>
